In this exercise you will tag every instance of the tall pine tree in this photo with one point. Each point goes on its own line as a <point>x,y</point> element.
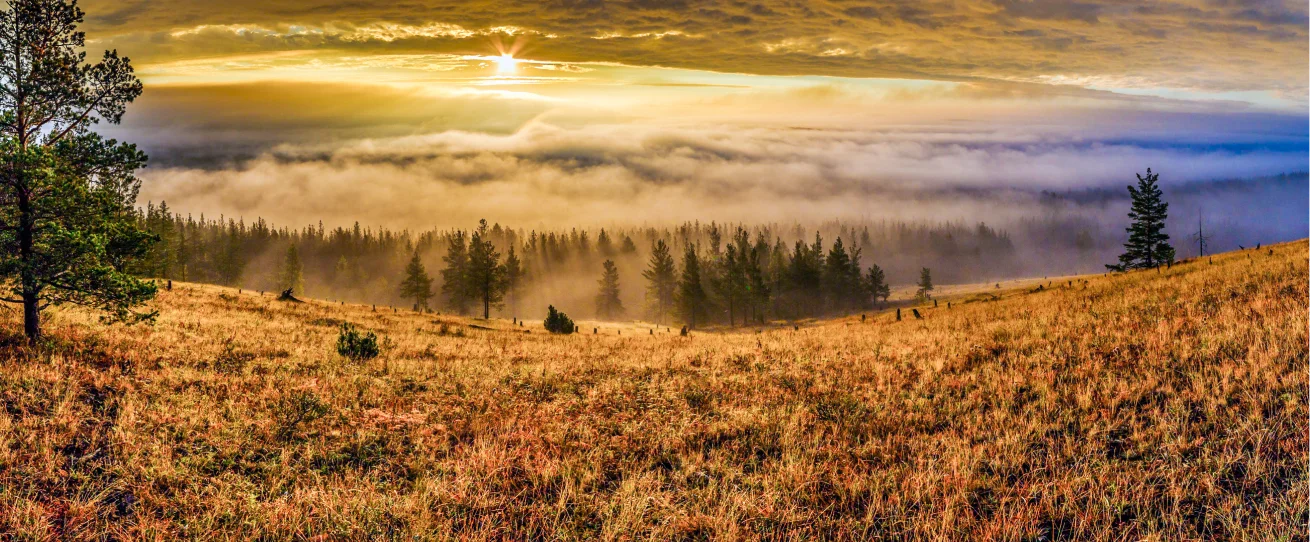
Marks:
<point>454,278</point>
<point>292,276</point>
<point>68,228</point>
<point>691,293</point>
<point>661,281</point>
<point>875,283</point>
<point>837,284</point>
<point>925,284</point>
<point>1148,245</point>
<point>417,284</point>
<point>608,304</point>
<point>514,274</point>
<point>486,275</point>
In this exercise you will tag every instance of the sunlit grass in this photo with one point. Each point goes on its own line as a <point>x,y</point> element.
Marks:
<point>1151,405</point>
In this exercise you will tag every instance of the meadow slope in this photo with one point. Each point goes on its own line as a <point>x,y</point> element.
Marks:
<point>1147,405</point>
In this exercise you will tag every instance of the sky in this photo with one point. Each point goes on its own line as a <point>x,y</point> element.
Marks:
<point>431,113</point>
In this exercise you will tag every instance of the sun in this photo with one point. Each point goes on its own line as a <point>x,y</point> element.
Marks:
<point>506,63</point>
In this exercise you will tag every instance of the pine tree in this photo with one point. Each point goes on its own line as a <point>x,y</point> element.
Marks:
<point>454,278</point>
<point>486,275</point>
<point>68,228</point>
<point>925,284</point>
<point>417,284</point>
<point>836,282</point>
<point>691,293</point>
<point>730,280</point>
<point>232,258</point>
<point>1148,245</point>
<point>293,272</point>
<point>558,322</point>
<point>608,304</point>
<point>514,274</point>
<point>628,247</point>
<point>604,244</point>
<point>757,283</point>
<point>341,272</point>
<point>876,284</point>
<point>662,281</point>
<point>805,276</point>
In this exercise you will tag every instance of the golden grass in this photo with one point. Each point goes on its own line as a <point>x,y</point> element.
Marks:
<point>1167,405</point>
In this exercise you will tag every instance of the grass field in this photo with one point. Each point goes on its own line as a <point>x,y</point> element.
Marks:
<point>1151,405</point>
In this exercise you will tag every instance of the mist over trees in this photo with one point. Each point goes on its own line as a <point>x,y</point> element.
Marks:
<point>726,274</point>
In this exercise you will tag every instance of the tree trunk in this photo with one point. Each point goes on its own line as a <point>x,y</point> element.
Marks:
<point>27,278</point>
<point>31,318</point>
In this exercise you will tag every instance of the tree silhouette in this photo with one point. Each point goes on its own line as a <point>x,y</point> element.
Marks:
<point>486,275</point>
<point>876,284</point>
<point>608,305</point>
<point>558,322</point>
<point>691,293</point>
<point>514,274</point>
<point>1202,240</point>
<point>292,276</point>
<point>1148,245</point>
<point>925,284</point>
<point>838,285</point>
<point>805,276</point>
<point>758,291</point>
<point>454,278</point>
<point>662,281</point>
<point>417,284</point>
<point>68,229</point>
<point>730,279</point>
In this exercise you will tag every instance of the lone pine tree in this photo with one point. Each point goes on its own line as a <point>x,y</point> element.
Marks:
<point>558,322</point>
<point>925,284</point>
<point>1148,245</point>
<point>68,230</point>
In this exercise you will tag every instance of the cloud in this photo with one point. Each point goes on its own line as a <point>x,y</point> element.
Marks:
<point>1216,46</point>
<point>638,172</point>
<point>213,125</point>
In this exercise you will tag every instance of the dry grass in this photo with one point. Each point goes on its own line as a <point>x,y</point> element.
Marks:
<point>1151,405</point>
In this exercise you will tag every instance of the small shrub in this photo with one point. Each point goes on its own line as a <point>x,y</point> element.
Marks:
<point>232,360</point>
<point>356,345</point>
<point>297,408</point>
<point>558,322</point>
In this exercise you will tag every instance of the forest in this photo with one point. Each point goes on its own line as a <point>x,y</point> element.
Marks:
<point>693,273</point>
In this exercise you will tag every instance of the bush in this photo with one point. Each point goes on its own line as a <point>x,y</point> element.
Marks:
<point>295,409</point>
<point>558,322</point>
<point>231,360</point>
<point>355,345</point>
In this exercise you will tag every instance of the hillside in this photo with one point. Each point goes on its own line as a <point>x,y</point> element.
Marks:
<point>1147,405</point>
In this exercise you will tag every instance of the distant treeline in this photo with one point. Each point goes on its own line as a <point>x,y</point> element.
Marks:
<point>744,273</point>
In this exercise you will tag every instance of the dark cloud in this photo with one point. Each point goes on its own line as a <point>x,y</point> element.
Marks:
<point>1060,10</point>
